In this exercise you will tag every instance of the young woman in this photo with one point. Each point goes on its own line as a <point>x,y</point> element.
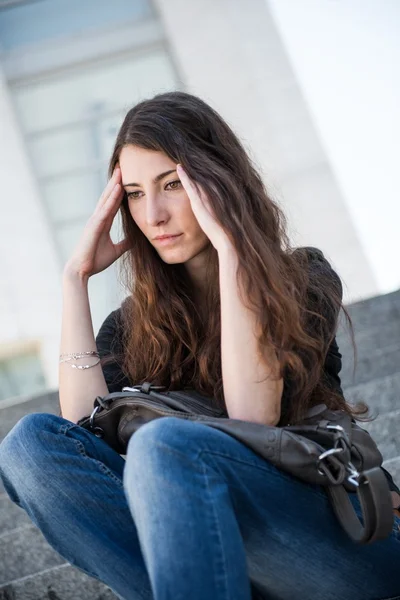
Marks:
<point>224,306</point>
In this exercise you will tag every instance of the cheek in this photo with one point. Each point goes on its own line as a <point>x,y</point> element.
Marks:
<point>133,211</point>
<point>135,216</point>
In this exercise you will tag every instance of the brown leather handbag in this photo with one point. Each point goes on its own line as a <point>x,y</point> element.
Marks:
<point>328,448</point>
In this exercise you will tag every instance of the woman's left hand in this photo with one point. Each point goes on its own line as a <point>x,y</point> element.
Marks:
<point>203,212</point>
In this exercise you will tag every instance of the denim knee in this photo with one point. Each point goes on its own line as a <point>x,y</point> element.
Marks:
<point>23,448</point>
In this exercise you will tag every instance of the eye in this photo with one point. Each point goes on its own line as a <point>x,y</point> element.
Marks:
<point>133,194</point>
<point>178,181</point>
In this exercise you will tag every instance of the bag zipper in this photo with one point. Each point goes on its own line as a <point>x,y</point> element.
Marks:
<point>147,403</point>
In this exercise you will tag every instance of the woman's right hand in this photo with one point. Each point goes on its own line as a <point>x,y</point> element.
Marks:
<point>95,250</point>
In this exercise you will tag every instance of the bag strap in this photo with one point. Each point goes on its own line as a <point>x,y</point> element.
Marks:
<point>376,506</point>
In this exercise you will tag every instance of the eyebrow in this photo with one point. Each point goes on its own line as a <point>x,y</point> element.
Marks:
<point>155,180</point>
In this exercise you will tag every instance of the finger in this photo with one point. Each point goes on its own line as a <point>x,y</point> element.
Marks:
<point>108,199</point>
<point>114,179</point>
<point>122,247</point>
<point>111,205</point>
<point>191,189</point>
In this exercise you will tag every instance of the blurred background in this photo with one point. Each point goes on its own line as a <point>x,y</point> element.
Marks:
<point>312,87</point>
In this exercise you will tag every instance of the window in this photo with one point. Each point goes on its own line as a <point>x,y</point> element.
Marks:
<point>74,69</point>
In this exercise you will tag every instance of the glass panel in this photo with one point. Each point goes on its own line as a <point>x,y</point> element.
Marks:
<point>72,148</point>
<point>86,93</point>
<point>73,197</point>
<point>107,130</point>
<point>67,237</point>
<point>62,150</point>
<point>36,22</point>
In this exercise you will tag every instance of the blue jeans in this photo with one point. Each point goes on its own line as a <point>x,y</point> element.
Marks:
<point>191,513</point>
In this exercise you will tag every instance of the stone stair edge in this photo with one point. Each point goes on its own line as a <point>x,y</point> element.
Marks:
<point>14,400</point>
<point>59,581</point>
<point>16,530</point>
<point>372,300</point>
<point>25,578</point>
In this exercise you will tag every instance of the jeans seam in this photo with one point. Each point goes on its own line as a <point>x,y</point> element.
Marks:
<point>204,472</point>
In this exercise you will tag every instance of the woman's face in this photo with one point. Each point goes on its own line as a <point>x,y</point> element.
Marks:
<point>159,205</point>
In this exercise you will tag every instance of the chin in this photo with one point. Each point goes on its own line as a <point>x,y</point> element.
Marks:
<point>171,258</point>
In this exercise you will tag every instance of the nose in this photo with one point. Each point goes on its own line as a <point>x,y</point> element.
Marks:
<point>156,210</point>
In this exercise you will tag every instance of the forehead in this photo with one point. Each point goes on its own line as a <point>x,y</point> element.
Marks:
<point>136,162</point>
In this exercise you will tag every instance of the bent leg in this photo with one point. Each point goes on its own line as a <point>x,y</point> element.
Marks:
<point>211,514</point>
<point>70,484</point>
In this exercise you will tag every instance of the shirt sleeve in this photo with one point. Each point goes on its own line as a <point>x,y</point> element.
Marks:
<point>109,342</point>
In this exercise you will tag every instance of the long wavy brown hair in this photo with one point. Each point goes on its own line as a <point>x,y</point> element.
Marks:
<point>165,339</point>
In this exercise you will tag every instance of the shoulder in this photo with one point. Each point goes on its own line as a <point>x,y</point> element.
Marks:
<point>312,255</point>
<point>112,321</point>
<point>320,269</point>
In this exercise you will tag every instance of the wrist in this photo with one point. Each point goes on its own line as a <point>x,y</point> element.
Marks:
<point>227,252</point>
<point>71,274</point>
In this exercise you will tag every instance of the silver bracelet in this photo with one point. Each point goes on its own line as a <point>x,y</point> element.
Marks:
<point>84,366</point>
<point>80,354</point>
<point>77,355</point>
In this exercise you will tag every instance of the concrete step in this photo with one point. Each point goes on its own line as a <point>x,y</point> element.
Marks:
<point>382,395</point>
<point>11,411</point>
<point>393,466</point>
<point>11,516</point>
<point>369,339</point>
<point>376,311</point>
<point>385,432</point>
<point>25,551</point>
<point>63,582</point>
<point>378,363</point>
<point>376,324</point>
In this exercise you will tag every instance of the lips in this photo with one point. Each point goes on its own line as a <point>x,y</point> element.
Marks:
<point>168,240</point>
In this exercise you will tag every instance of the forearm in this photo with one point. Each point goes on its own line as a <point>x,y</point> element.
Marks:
<point>249,396</point>
<point>78,387</point>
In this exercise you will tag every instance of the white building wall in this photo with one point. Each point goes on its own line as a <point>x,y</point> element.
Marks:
<point>346,58</point>
<point>30,296</point>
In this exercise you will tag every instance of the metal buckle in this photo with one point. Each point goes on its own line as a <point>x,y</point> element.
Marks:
<point>322,456</point>
<point>92,417</point>
<point>340,445</point>
<point>98,431</point>
<point>338,427</point>
<point>354,474</point>
<point>131,389</point>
